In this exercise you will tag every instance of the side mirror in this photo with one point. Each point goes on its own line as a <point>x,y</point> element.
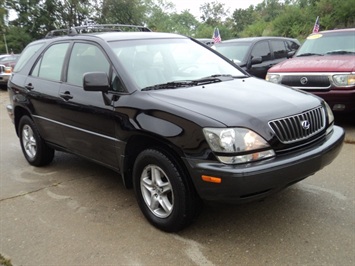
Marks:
<point>290,54</point>
<point>96,81</point>
<point>256,60</point>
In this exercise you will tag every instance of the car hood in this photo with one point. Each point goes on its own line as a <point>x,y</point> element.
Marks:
<point>326,63</point>
<point>248,102</point>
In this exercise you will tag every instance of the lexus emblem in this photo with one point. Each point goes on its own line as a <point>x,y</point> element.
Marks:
<point>304,80</point>
<point>305,124</point>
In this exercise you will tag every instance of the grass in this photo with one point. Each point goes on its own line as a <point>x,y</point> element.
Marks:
<point>4,261</point>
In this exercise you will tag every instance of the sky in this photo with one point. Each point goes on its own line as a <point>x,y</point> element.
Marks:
<point>194,5</point>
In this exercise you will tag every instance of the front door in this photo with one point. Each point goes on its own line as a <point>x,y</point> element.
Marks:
<point>90,129</point>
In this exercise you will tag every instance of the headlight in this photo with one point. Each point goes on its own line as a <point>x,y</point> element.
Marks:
<point>330,118</point>
<point>237,145</point>
<point>342,80</point>
<point>274,78</point>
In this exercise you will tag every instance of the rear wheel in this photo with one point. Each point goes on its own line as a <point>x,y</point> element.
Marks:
<point>34,148</point>
<point>164,195</point>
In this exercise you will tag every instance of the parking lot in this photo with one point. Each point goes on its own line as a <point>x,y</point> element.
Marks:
<point>74,212</point>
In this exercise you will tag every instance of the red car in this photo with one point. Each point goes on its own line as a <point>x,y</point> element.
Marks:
<point>324,65</point>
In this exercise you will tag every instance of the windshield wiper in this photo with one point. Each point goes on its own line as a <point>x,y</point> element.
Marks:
<point>169,85</point>
<point>190,83</point>
<point>340,52</point>
<point>229,77</point>
<point>308,54</point>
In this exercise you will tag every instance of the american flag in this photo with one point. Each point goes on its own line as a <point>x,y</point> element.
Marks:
<point>316,26</point>
<point>216,36</point>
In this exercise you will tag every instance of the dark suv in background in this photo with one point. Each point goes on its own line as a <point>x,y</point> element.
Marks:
<point>257,54</point>
<point>174,118</point>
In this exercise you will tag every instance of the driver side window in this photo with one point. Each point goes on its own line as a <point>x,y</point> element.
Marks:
<point>261,49</point>
<point>86,58</point>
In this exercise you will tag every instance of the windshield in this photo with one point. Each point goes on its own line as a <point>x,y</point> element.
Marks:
<point>234,51</point>
<point>159,61</point>
<point>320,44</point>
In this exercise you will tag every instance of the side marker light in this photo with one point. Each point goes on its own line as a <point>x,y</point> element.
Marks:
<point>212,179</point>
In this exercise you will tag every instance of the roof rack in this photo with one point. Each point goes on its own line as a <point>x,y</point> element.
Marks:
<point>75,30</point>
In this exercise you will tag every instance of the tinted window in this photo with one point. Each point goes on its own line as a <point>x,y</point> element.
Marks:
<point>278,46</point>
<point>26,55</point>
<point>51,63</point>
<point>261,49</point>
<point>86,58</point>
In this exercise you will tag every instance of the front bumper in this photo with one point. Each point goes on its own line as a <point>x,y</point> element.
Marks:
<point>338,100</point>
<point>248,182</point>
<point>4,78</point>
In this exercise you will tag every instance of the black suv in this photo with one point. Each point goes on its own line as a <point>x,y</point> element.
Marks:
<point>257,54</point>
<point>176,120</point>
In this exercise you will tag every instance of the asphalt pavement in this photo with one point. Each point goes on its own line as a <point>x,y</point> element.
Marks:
<point>74,212</point>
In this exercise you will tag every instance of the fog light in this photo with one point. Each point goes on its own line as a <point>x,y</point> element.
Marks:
<point>339,107</point>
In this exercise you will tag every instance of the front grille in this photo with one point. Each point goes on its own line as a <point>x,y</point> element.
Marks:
<point>306,81</point>
<point>294,128</point>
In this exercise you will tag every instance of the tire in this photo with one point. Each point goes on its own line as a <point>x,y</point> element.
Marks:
<point>164,195</point>
<point>35,150</point>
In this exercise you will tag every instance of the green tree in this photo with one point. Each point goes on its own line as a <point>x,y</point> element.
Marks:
<point>158,15</point>
<point>17,39</point>
<point>184,23</point>
<point>243,18</point>
<point>213,13</point>
<point>336,14</point>
<point>293,22</point>
<point>123,12</point>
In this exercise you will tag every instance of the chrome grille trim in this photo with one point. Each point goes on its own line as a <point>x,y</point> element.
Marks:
<point>289,129</point>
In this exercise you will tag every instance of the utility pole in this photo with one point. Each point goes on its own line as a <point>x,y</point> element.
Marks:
<point>7,50</point>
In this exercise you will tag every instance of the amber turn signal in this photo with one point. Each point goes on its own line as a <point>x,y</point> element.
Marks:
<point>8,70</point>
<point>211,179</point>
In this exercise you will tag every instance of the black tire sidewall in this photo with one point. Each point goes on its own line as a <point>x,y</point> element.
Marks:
<point>179,217</point>
<point>44,155</point>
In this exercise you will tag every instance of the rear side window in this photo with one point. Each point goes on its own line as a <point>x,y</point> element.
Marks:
<point>29,51</point>
<point>51,63</point>
<point>278,46</point>
<point>262,49</point>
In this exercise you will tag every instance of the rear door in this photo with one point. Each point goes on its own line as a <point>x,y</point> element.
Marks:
<point>89,122</point>
<point>43,85</point>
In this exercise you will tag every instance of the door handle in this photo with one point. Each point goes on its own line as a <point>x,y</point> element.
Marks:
<point>66,95</point>
<point>29,86</point>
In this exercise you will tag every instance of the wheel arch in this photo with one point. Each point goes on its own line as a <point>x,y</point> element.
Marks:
<point>138,143</point>
<point>18,114</point>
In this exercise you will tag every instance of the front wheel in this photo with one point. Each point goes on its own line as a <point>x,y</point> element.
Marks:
<point>164,195</point>
<point>34,148</point>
